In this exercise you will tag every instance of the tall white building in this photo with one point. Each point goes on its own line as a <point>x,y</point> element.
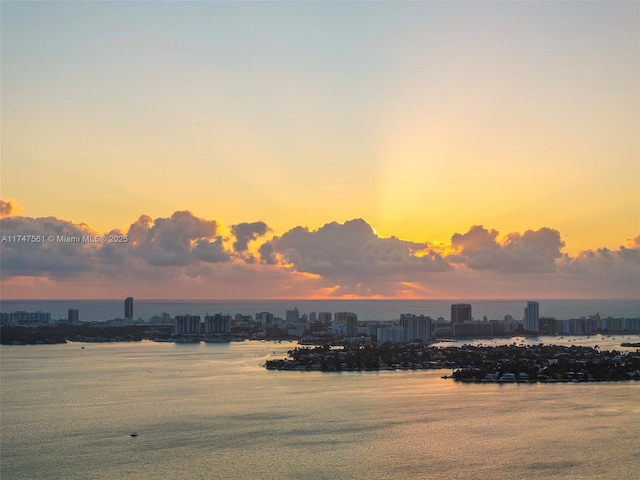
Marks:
<point>419,327</point>
<point>532,317</point>
<point>395,334</point>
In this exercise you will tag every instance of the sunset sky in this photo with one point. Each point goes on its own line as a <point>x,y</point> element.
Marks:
<point>322,149</point>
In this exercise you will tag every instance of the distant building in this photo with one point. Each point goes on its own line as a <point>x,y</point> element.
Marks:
<point>128,308</point>
<point>324,317</point>
<point>532,317</point>
<point>73,316</point>
<point>217,323</point>
<point>265,319</point>
<point>622,324</point>
<point>395,334</point>
<point>342,316</point>
<point>418,327</point>
<point>503,328</point>
<point>351,325</point>
<point>472,329</point>
<point>29,318</point>
<point>460,313</point>
<point>187,325</point>
<point>292,315</point>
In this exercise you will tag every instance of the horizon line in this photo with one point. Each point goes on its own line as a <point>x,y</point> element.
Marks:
<point>522,299</point>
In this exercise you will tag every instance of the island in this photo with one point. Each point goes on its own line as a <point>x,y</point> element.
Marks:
<point>82,332</point>
<point>483,364</point>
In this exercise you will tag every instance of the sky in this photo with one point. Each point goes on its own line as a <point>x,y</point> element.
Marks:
<point>321,149</point>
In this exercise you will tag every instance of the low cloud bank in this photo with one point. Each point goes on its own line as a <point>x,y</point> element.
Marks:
<point>348,259</point>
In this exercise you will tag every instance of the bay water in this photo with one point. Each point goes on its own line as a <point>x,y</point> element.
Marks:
<point>211,411</point>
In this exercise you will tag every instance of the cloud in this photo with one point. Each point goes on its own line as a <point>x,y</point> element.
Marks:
<point>633,242</point>
<point>604,262</point>
<point>178,240</point>
<point>533,251</point>
<point>268,253</point>
<point>350,249</point>
<point>53,258</point>
<point>184,256</point>
<point>245,233</point>
<point>6,208</point>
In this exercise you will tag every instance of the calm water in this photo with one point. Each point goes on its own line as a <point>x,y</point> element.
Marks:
<point>210,411</point>
<point>99,310</point>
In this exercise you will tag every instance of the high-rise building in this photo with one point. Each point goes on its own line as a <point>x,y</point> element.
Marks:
<point>351,325</point>
<point>217,323</point>
<point>532,317</point>
<point>73,316</point>
<point>187,325</point>
<point>293,315</point>
<point>418,327</point>
<point>128,308</point>
<point>265,319</point>
<point>395,334</point>
<point>340,316</point>
<point>460,312</point>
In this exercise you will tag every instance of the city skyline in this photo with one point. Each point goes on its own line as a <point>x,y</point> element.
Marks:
<point>320,150</point>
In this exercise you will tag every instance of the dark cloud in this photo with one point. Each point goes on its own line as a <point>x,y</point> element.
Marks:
<point>605,262</point>
<point>5,208</point>
<point>352,248</point>
<point>139,230</point>
<point>185,253</point>
<point>179,240</point>
<point>267,253</point>
<point>533,251</point>
<point>57,259</point>
<point>212,252</point>
<point>247,232</point>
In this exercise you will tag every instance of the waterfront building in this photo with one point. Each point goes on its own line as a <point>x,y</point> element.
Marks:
<point>395,334</point>
<point>472,329</point>
<point>324,317</point>
<point>29,318</point>
<point>187,325</point>
<point>621,325</point>
<point>418,327</point>
<point>73,315</point>
<point>532,317</point>
<point>128,308</point>
<point>217,323</point>
<point>460,312</point>
<point>503,328</point>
